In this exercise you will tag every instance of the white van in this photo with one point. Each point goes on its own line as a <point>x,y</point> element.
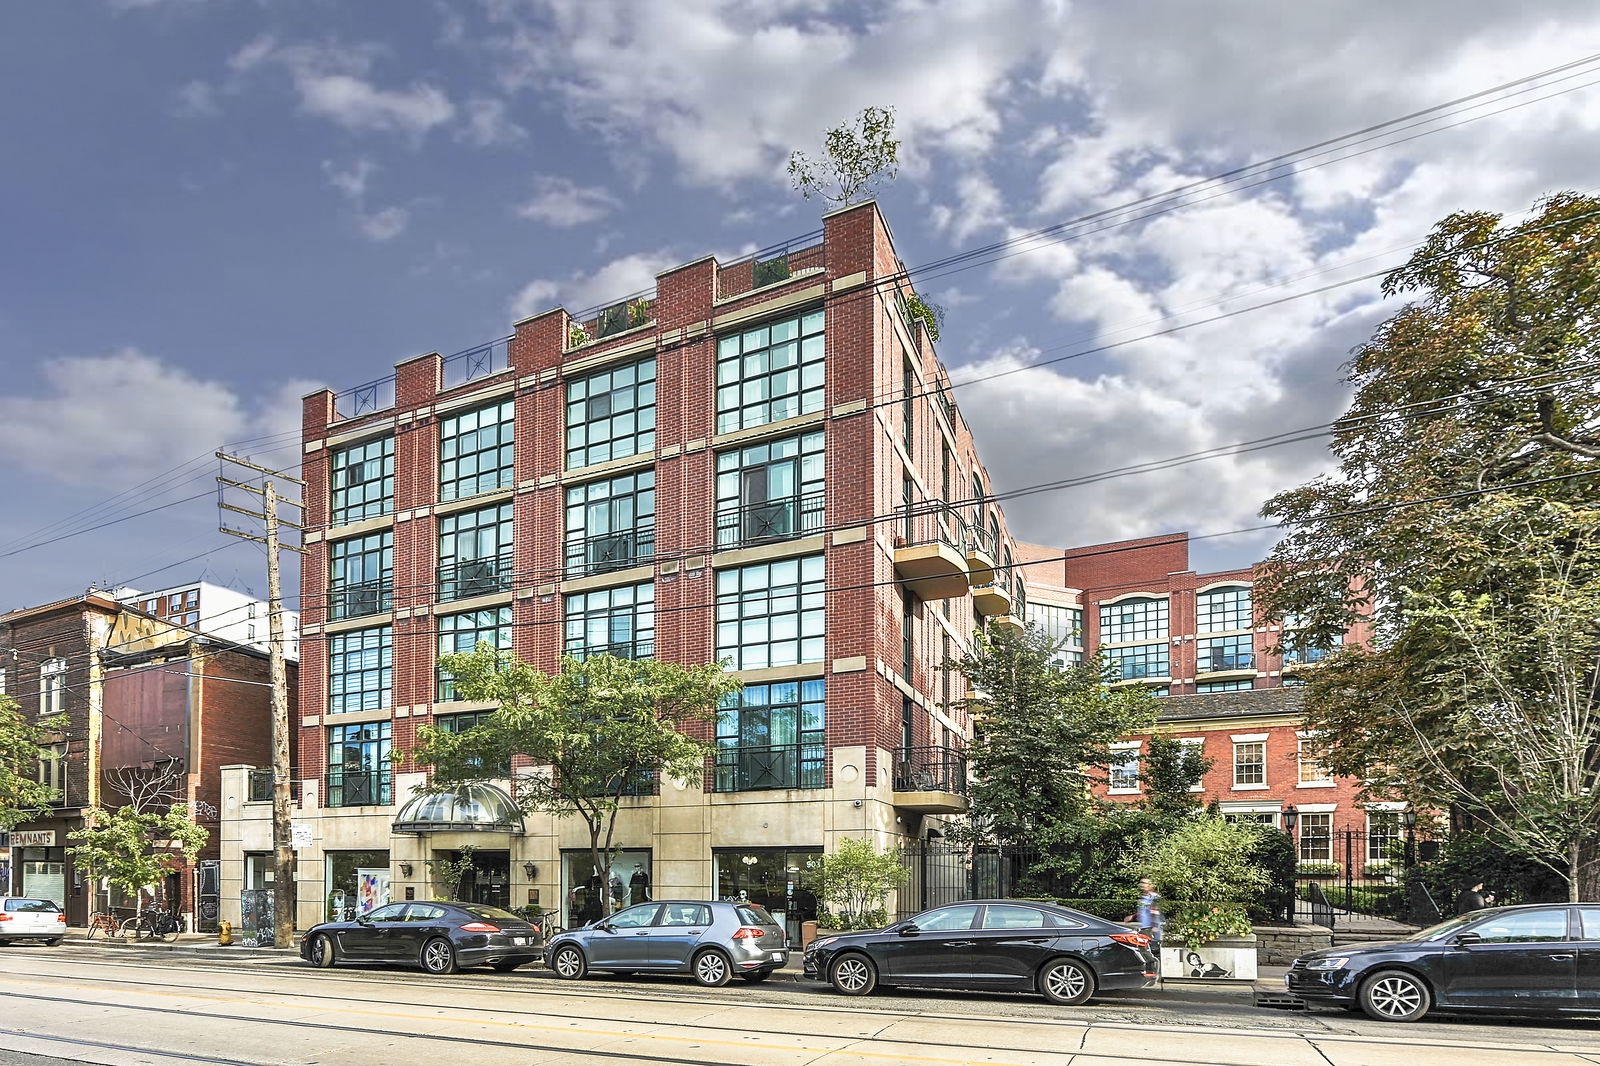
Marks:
<point>27,918</point>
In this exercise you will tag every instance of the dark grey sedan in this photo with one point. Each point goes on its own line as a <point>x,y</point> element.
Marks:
<point>438,937</point>
<point>713,941</point>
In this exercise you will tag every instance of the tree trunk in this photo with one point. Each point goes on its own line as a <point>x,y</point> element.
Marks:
<point>1585,883</point>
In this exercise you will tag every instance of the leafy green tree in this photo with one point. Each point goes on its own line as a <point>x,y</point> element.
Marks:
<point>1169,769</point>
<point>855,880</point>
<point>856,156</point>
<point>1461,512</point>
<point>22,745</point>
<point>135,849</point>
<point>1205,858</point>
<point>1041,733</point>
<point>593,731</point>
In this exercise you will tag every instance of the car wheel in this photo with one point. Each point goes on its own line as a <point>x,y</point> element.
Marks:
<point>1066,981</point>
<point>755,977</point>
<point>569,963</point>
<point>1395,996</point>
<point>712,969</point>
<point>505,967</point>
<point>321,952</point>
<point>53,941</point>
<point>438,956</point>
<point>853,974</point>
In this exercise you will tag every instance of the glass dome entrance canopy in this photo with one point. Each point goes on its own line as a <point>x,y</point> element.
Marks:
<point>476,808</point>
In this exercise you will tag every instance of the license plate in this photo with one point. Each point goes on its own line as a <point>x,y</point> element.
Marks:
<point>519,940</point>
<point>777,956</point>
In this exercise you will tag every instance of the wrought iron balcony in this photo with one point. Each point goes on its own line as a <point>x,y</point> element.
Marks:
<point>932,780</point>
<point>1139,669</point>
<point>357,788</point>
<point>770,520</point>
<point>755,769</point>
<point>475,577</point>
<point>358,598</point>
<point>930,553</point>
<point>1214,662</point>
<point>1304,656</point>
<point>605,552</point>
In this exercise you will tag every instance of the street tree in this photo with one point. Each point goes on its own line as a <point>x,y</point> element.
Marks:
<point>1459,511</point>
<point>593,732</point>
<point>23,745</point>
<point>134,849</point>
<point>1169,770</point>
<point>856,156</point>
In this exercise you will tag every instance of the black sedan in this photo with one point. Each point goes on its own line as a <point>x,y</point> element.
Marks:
<point>439,937</point>
<point>1532,959</point>
<point>993,945</point>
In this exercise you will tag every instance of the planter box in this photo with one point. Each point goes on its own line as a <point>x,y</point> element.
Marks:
<point>1228,959</point>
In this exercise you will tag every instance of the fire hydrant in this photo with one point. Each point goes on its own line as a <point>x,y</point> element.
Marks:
<point>224,933</point>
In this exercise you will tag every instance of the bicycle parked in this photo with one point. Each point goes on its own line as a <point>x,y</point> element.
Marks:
<point>103,924</point>
<point>153,925</point>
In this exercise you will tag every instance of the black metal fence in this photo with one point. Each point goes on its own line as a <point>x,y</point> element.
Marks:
<point>937,874</point>
<point>1350,879</point>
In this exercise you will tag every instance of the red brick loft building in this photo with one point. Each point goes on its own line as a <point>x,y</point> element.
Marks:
<point>1198,640</point>
<point>755,461</point>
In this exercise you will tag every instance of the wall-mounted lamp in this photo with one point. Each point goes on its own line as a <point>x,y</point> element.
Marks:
<point>531,869</point>
<point>405,869</point>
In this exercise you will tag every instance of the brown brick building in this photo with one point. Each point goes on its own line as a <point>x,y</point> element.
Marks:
<point>741,463</point>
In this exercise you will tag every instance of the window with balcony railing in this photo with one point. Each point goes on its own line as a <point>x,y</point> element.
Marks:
<point>769,373</point>
<point>611,524</point>
<point>358,765</point>
<point>616,621</point>
<point>475,556</point>
<point>770,491</point>
<point>361,481</point>
<point>1222,609</point>
<point>1299,653</point>
<point>611,414</point>
<point>771,737</point>
<point>930,768</point>
<point>477,451</point>
<point>1215,654</point>
<point>462,633</point>
<point>360,575</point>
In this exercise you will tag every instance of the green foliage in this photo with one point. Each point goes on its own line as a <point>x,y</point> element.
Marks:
<point>1204,858</point>
<point>931,315</point>
<point>451,872</point>
<point>135,851</point>
<point>1472,856</point>
<point>1319,869</point>
<point>22,744</point>
<point>577,336</point>
<point>1168,770</point>
<point>1042,735</point>
<point>1382,901</point>
<point>592,729</point>
<point>1196,926</point>
<point>856,156</point>
<point>855,881</point>
<point>638,312</point>
<point>1274,853</point>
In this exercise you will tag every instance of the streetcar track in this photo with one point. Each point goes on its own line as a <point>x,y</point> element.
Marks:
<point>27,1035</point>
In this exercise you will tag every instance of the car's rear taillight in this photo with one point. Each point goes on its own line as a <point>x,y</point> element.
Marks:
<point>5,917</point>
<point>1137,940</point>
<point>480,927</point>
<point>749,933</point>
<point>62,918</point>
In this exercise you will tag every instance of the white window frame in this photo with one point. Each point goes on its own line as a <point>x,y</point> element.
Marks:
<point>1321,810</point>
<point>53,688</point>
<point>1198,744</point>
<point>1119,760</point>
<point>1326,780</point>
<point>1236,807</point>
<point>1250,738</point>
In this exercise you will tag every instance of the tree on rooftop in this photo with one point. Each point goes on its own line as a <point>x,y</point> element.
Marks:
<point>856,156</point>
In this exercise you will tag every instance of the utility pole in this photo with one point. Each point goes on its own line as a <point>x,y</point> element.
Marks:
<point>283,882</point>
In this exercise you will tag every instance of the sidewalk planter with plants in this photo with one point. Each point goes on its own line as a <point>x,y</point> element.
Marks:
<point>1214,943</point>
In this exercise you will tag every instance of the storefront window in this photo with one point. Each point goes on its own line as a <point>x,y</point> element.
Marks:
<point>356,882</point>
<point>630,882</point>
<point>258,869</point>
<point>780,879</point>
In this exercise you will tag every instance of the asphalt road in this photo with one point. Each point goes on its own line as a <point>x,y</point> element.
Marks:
<point>125,1006</point>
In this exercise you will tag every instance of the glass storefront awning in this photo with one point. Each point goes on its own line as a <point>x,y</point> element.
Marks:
<point>471,808</point>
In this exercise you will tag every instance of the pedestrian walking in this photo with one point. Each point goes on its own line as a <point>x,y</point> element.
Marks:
<point>1471,899</point>
<point>1149,915</point>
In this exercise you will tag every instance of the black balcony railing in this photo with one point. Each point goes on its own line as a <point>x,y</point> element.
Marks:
<point>933,522</point>
<point>622,649</point>
<point>754,769</point>
<point>476,577</point>
<point>357,788</point>
<point>358,598</point>
<point>1211,662</point>
<point>930,769</point>
<point>260,786</point>
<point>983,539</point>
<point>1139,669</point>
<point>756,523</point>
<point>605,552</point>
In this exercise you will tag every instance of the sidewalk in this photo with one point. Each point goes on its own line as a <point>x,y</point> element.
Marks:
<point>188,943</point>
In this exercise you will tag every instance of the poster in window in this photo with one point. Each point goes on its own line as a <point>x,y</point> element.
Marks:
<point>372,889</point>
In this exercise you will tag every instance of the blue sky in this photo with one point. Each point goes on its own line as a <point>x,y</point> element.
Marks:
<point>210,207</point>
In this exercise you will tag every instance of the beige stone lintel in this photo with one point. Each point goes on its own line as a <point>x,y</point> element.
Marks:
<point>771,429</point>
<point>309,720</point>
<point>584,473</point>
<point>355,529</point>
<point>850,536</point>
<point>474,603</point>
<point>762,552</point>
<point>472,503</point>
<point>364,622</point>
<point>849,407</point>
<point>850,664</point>
<point>781,673</point>
<point>631,576</point>
<point>382,714</point>
<point>547,590</point>
<point>850,281</point>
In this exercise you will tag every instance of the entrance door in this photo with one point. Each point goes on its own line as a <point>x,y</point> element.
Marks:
<point>489,881</point>
<point>779,879</point>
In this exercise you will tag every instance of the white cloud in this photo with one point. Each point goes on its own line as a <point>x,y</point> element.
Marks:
<point>383,224</point>
<point>333,82</point>
<point>616,279</point>
<point>561,202</point>
<point>196,99</point>
<point>488,122</point>
<point>352,181</point>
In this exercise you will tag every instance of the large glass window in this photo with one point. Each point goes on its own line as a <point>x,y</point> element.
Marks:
<point>361,478</point>
<point>475,556</point>
<point>1219,610</point>
<point>461,633</point>
<point>584,890</point>
<point>1241,685</point>
<point>1225,653</point>
<point>346,873</point>
<point>780,880</point>
<point>1124,769</point>
<point>1138,661</point>
<point>1131,620</point>
<point>1064,625</point>
<point>770,736</point>
<point>1312,772</point>
<point>770,373</point>
<point>611,524</point>
<point>770,491</point>
<point>1316,836</point>
<point>611,414</point>
<point>360,670</point>
<point>771,614</point>
<point>53,770</point>
<point>360,575</point>
<point>616,621</point>
<point>1249,763</point>
<point>477,451</point>
<point>358,765</point>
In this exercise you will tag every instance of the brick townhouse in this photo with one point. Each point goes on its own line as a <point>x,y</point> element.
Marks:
<point>753,461</point>
<point>143,699</point>
<point>1197,640</point>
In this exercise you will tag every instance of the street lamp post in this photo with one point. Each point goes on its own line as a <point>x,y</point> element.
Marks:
<point>1291,816</point>
<point>1408,818</point>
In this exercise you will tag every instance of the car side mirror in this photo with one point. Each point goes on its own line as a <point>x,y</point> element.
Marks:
<point>1464,940</point>
<point>605,927</point>
<point>909,929</point>
<point>362,919</point>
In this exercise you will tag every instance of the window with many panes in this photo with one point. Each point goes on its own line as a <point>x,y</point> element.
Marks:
<point>361,479</point>
<point>1383,835</point>
<point>360,575</point>
<point>611,414</point>
<point>1136,661</point>
<point>770,491</point>
<point>1241,685</point>
<point>1124,768</point>
<point>1316,836</point>
<point>770,736</point>
<point>477,450</point>
<point>770,373</point>
<point>358,765</point>
<point>1064,626</point>
<point>360,669</point>
<point>611,524</point>
<point>616,621</point>
<point>460,723</point>
<point>462,633</point>
<point>1127,621</point>
<point>1312,772</point>
<point>475,556</point>
<point>1219,610</point>
<point>1212,654</point>
<point>52,687</point>
<point>771,614</point>
<point>1249,763</point>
